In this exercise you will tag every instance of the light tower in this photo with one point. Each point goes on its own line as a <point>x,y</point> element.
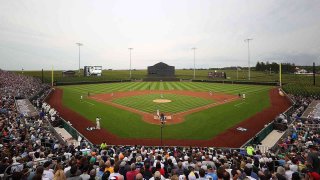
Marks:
<point>248,40</point>
<point>130,61</point>
<point>194,62</point>
<point>79,44</point>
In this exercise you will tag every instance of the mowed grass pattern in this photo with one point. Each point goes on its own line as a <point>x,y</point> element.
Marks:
<point>179,102</point>
<point>136,86</point>
<point>200,125</point>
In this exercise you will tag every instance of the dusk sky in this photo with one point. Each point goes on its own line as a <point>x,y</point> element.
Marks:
<point>36,34</point>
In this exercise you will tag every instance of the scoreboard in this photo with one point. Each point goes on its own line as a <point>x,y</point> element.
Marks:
<point>92,70</point>
<point>216,75</point>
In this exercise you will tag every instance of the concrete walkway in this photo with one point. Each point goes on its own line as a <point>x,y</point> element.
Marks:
<point>66,136</point>
<point>270,140</point>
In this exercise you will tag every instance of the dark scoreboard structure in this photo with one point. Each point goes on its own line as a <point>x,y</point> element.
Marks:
<point>161,70</point>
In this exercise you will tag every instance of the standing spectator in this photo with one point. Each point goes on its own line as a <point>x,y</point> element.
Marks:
<point>103,145</point>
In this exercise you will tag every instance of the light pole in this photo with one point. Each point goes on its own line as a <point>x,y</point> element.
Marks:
<point>248,40</point>
<point>237,73</point>
<point>79,44</point>
<point>270,71</point>
<point>194,62</point>
<point>162,126</point>
<point>130,61</point>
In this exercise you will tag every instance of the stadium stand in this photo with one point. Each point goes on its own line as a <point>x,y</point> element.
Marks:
<point>30,149</point>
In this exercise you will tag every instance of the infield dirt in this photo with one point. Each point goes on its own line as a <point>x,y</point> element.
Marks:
<point>218,99</point>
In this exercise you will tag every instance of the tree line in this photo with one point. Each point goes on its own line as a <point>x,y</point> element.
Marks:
<point>274,67</point>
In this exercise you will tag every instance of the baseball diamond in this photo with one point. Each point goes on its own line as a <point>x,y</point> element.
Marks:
<point>204,111</point>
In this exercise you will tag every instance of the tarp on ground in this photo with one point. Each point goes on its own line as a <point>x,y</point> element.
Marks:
<point>25,107</point>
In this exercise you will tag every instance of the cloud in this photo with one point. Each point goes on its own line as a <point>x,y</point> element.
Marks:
<point>38,34</point>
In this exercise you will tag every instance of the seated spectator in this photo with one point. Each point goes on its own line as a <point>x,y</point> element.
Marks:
<point>132,173</point>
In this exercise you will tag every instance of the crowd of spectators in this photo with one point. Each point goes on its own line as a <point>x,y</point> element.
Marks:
<point>18,85</point>
<point>29,150</point>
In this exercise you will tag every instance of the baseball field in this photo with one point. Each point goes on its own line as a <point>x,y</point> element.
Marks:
<point>197,113</point>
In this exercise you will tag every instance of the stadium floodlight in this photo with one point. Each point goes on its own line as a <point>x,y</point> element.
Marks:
<point>248,40</point>
<point>79,44</point>
<point>130,61</point>
<point>237,72</point>
<point>194,62</point>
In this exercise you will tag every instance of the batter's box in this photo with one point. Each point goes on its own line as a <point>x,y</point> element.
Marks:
<point>166,117</point>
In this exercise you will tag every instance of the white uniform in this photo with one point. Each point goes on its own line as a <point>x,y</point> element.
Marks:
<point>98,123</point>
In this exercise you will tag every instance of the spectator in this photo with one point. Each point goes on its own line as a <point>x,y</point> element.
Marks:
<point>202,174</point>
<point>59,175</point>
<point>47,173</point>
<point>313,159</point>
<point>132,173</point>
<point>85,175</point>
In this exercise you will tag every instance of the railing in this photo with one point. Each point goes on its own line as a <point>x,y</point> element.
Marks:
<point>73,132</point>
<point>263,133</point>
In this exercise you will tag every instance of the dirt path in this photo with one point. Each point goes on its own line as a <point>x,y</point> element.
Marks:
<point>229,138</point>
<point>176,118</point>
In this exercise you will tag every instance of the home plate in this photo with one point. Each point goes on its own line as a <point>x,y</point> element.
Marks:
<point>166,117</point>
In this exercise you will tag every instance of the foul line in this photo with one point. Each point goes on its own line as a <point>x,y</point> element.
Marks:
<point>88,102</point>
<point>240,104</point>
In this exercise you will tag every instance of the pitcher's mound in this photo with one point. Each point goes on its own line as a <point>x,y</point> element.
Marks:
<point>161,100</point>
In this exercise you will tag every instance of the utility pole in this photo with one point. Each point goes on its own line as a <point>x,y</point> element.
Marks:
<point>314,73</point>
<point>248,40</point>
<point>194,62</point>
<point>130,62</point>
<point>79,44</point>
<point>237,73</point>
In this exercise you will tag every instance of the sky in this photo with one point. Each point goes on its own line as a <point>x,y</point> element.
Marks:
<point>38,34</point>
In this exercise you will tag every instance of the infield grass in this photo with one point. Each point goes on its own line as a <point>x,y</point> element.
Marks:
<point>200,125</point>
<point>178,103</point>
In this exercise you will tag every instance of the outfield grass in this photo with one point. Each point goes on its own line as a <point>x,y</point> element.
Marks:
<point>294,84</point>
<point>233,75</point>
<point>179,102</point>
<point>200,125</point>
